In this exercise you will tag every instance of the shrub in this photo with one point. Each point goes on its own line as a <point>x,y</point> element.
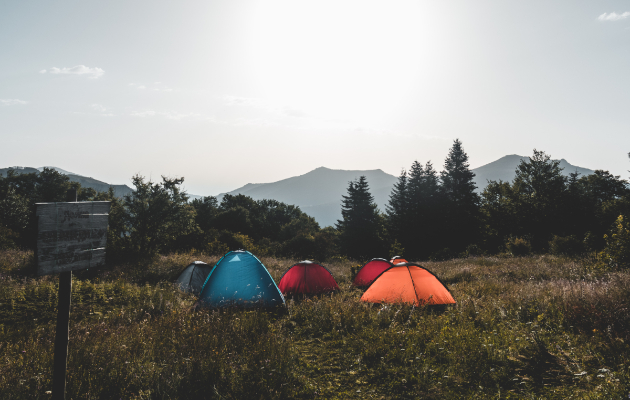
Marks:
<point>473,250</point>
<point>565,245</point>
<point>216,247</point>
<point>7,238</point>
<point>518,246</point>
<point>300,246</point>
<point>590,242</point>
<point>617,252</point>
<point>396,250</point>
<point>442,255</point>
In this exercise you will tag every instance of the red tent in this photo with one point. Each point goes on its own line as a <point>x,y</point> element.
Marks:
<point>307,277</point>
<point>370,271</point>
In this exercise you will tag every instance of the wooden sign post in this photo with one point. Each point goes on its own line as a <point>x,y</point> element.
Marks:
<point>70,236</point>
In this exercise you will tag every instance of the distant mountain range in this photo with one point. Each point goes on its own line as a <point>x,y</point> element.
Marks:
<point>505,169</point>
<point>119,190</point>
<point>318,193</point>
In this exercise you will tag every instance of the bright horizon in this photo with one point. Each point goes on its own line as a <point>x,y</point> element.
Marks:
<point>229,93</point>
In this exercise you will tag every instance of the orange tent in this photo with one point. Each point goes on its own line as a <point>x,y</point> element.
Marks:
<point>397,260</point>
<point>408,283</point>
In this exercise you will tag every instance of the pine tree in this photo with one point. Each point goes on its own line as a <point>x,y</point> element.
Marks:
<point>415,195</point>
<point>361,226</point>
<point>398,209</point>
<point>457,178</point>
<point>461,203</point>
<point>540,189</point>
<point>423,233</point>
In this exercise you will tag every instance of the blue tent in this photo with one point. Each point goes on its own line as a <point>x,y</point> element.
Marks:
<point>240,279</point>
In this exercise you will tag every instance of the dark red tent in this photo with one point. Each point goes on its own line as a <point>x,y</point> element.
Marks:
<point>307,277</point>
<point>370,271</point>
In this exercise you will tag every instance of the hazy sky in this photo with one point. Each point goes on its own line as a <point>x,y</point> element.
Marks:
<point>230,92</point>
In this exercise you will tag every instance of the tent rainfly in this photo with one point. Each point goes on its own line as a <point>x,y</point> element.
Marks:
<point>193,277</point>
<point>239,279</point>
<point>370,271</point>
<point>408,283</point>
<point>307,277</point>
<point>397,260</point>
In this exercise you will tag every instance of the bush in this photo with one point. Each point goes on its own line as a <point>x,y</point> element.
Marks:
<point>518,246</point>
<point>567,245</point>
<point>473,250</point>
<point>442,255</point>
<point>396,249</point>
<point>238,241</point>
<point>617,252</point>
<point>591,242</point>
<point>300,246</point>
<point>7,238</point>
<point>216,247</point>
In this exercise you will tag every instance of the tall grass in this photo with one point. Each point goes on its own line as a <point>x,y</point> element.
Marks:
<point>530,327</point>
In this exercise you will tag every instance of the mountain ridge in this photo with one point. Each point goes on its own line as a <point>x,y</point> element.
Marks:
<point>119,190</point>
<point>319,192</point>
<point>306,190</point>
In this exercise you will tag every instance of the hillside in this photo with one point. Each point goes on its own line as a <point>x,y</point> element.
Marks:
<point>505,169</point>
<point>119,190</point>
<point>318,193</point>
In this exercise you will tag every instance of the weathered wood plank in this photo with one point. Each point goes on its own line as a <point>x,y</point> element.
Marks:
<point>82,206</point>
<point>72,254</point>
<point>54,238</point>
<point>62,212</point>
<point>69,248</point>
<point>71,235</point>
<point>71,261</point>
<point>76,223</point>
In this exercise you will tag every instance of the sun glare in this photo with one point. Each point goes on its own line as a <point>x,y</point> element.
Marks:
<point>356,63</point>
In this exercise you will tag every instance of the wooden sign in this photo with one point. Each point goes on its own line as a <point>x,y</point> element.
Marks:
<point>71,236</point>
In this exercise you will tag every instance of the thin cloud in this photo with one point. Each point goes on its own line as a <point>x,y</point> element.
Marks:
<point>177,116</point>
<point>156,87</point>
<point>101,110</point>
<point>142,114</point>
<point>613,16</point>
<point>174,115</point>
<point>99,107</point>
<point>12,102</point>
<point>261,104</point>
<point>294,112</point>
<point>92,73</point>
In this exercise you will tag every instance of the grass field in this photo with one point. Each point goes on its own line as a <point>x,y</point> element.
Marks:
<point>540,327</point>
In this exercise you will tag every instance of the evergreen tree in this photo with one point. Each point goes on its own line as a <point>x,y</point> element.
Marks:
<point>424,230</point>
<point>461,203</point>
<point>457,178</point>
<point>540,189</point>
<point>361,226</point>
<point>398,209</point>
<point>499,214</point>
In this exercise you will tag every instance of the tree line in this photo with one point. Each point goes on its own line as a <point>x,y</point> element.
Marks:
<point>429,215</point>
<point>439,216</point>
<point>158,218</point>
